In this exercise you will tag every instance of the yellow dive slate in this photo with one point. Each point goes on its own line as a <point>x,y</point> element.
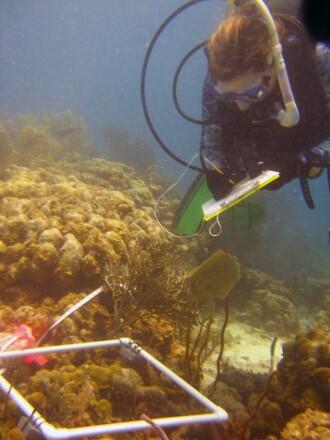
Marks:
<point>240,191</point>
<point>198,205</point>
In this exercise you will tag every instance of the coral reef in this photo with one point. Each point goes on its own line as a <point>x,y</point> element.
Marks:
<point>312,295</point>
<point>49,137</point>
<point>82,388</point>
<point>265,303</point>
<point>229,398</point>
<point>248,381</point>
<point>322,318</point>
<point>68,224</point>
<point>311,424</point>
<point>137,153</point>
<point>304,373</point>
<point>301,384</point>
<point>42,140</point>
<point>71,396</point>
<point>5,148</point>
<point>58,231</point>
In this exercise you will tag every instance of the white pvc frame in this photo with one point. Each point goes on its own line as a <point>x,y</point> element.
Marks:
<point>217,414</point>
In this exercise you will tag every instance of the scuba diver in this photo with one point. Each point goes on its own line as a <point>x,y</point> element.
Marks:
<point>242,98</point>
<point>266,109</point>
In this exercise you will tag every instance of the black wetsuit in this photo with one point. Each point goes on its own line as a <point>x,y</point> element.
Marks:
<point>244,142</point>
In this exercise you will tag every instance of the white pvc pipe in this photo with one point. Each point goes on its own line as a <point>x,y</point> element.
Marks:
<point>20,401</point>
<point>69,312</point>
<point>60,348</point>
<point>51,433</point>
<point>185,386</point>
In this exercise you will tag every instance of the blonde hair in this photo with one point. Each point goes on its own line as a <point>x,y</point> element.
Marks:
<point>240,43</point>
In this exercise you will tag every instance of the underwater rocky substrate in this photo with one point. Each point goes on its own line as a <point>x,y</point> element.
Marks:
<point>69,224</point>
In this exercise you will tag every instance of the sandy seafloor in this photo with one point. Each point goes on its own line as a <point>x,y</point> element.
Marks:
<point>246,348</point>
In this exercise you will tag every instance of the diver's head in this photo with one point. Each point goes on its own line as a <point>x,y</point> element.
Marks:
<point>240,57</point>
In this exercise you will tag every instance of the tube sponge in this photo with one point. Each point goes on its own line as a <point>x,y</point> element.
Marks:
<point>214,278</point>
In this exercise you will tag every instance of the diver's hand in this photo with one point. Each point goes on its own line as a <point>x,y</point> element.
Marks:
<point>256,169</point>
<point>221,184</point>
<point>314,161</point>
<point>218,184</point>
<point>314,172</point>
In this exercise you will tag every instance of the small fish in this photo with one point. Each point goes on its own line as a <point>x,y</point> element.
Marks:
<point>65,131</point>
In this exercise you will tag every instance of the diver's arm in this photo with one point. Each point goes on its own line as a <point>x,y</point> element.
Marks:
<point>211,141</point>
<point>212,155</point>
<point>322,54</point>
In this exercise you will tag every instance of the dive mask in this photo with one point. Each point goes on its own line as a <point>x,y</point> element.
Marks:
<point>255,94</point>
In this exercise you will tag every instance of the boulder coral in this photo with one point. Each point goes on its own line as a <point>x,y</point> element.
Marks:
<point>309,425</point>
<point>299,391</point>
<point>304,373</point>
<point>56,229</point>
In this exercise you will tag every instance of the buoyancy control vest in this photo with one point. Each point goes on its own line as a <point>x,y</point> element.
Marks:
<point>253,136</point>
